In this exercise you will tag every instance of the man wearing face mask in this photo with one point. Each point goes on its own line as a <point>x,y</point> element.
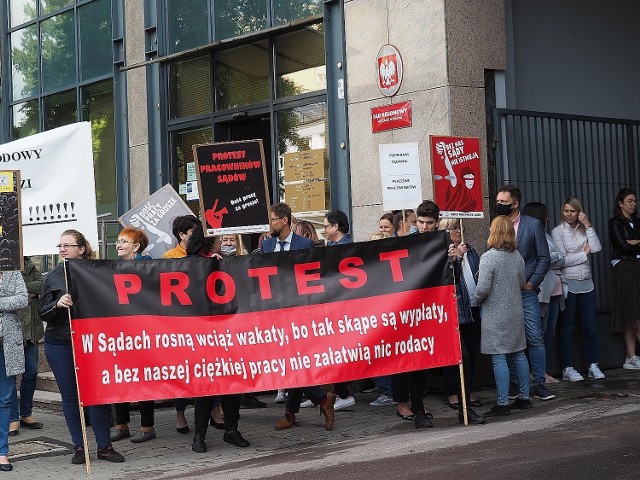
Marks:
<point>532,245</point>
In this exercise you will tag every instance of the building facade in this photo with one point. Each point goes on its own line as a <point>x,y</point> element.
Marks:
<point>155,77</point>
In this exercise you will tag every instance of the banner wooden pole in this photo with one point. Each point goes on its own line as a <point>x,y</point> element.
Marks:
<point>461,368</point>
<point>75,373</point>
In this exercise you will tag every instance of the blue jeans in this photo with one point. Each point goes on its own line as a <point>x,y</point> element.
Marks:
<point>501,372</point>
<point>60,359</point>
<point>384,384</point>
<point>6,386</point>
<point>586,303</point>
<point>27,384</point>
<point>535,338</point>
<point>549,323</point>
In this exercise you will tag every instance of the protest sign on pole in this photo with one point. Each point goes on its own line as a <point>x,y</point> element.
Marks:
<point>11,258</point>
<point>155,216</point>
<point>57,185</point>
<point>400,175</point>
<point>149,330</point>
<point>232,183</point>
<point>457,181</point>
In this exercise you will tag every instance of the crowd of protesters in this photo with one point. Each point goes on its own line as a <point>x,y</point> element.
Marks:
<point>511,301</point>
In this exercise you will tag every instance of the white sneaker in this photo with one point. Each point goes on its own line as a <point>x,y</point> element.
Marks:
<point>281,397</point>
<point>307,404</point>
<point>594,371</point>
<point>383,400</point>
<point>632,363</point>
<point>571,375</point>
<point>342,403</point>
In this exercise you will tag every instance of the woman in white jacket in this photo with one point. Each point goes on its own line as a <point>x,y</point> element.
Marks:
<point>576,238</point>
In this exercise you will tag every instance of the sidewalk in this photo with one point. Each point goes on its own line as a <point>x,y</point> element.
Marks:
<point>46,453</point>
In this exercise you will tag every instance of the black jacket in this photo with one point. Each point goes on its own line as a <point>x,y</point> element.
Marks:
<point>57,319</point>
<point>620,231</point>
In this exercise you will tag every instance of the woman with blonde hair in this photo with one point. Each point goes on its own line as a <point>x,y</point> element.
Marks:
<point>501,278</point>
<point>54,310</point>
<point>577,239</point>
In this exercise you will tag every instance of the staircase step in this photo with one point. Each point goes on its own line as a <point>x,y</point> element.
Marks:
<point>47,400</point>
<point>46,382</point>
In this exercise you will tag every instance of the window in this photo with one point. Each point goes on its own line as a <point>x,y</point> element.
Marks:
<point>96,55</point>
<point>97,108</point>
<point>188,24</point>
<point>242,75</point>
<point>60,109</point>
<point>287,11</point>
<point>190,90</point>
<point>58,51</point>
<point>24,62</point>
<point>234,18</point>
<point>302,139</point>
<point>300,65</point>
<point>21,11</point>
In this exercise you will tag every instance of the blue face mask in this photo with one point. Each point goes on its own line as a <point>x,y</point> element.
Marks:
<point>228,250</point>
<point>413,230</point>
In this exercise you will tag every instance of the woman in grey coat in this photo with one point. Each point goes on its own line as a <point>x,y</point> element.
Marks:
<point>500,279</point>
<point>13,297</point>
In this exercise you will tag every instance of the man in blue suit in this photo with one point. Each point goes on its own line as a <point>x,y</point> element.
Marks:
<point>532,245</point>
<point>283,239</point>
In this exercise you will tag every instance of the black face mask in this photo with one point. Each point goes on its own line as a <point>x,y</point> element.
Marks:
<point>502,209</point>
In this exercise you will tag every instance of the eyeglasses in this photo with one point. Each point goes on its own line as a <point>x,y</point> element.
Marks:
<point>121,241</point>
<point>324,227</point>
<point>66,246</point>
<point>274,220</point>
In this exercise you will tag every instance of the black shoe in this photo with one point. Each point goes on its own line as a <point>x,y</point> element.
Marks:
<point>183,430</point>
<point>498,411</point>
<point>409,418</point>
<point>422,420</point>
<point>110,455</point>
<point>543,393</point>
<point>78,457</point>
<point>235,438</point>
<point>250,401</point>
<point>474,403</point>
<point>454,405</point>
<point>473,417</point>
<point>522,404</point>
<point>6,467</point>
<point>198,444</point>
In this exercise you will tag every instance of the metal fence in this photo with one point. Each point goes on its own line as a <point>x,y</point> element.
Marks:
<point>550,157</point>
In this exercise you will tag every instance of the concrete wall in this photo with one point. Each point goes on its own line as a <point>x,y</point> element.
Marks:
<point>445,47</point>
<point>137,102</point>
<point>576,56</point>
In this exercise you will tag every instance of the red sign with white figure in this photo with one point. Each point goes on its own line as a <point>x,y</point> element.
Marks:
<point>390,117</point>
<point>457,181</point>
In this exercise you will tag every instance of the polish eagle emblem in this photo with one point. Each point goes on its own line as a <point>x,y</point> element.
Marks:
<point>388,71</point>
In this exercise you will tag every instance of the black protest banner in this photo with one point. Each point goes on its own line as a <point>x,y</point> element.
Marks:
<point>188,327</point>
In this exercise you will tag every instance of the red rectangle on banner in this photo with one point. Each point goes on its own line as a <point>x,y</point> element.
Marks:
<point>152,358</point>
<point>390,117</point>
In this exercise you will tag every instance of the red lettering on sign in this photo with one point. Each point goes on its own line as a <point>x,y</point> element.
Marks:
<point>229,287</point>
<point>263,274</point>
<point>303,278</point>
<point>394,262</point>
<point>347,267</point>
<point>174,283</point>
<point>126,284</point>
